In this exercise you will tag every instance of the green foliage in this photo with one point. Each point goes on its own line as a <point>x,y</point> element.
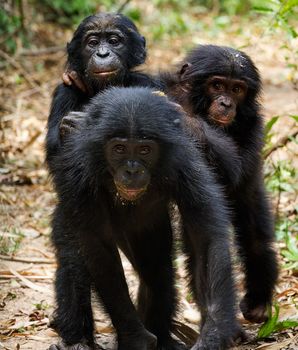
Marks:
<point>11,27</point>
<point>282,12</point>
<point>291,252</point>
<point>66,12</point>
<point>273,325</point>
<point>10,243</point>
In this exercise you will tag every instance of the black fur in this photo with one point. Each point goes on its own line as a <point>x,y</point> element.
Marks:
<point>90,221</point>
<point>71,98</point>
<point>236,152</point>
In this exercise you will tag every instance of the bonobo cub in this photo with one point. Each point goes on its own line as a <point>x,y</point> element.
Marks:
<point>103,52</point>
<point>115,175</point>
<point>220,87</point>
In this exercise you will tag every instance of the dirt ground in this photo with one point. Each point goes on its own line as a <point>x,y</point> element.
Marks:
<point>27,261</point>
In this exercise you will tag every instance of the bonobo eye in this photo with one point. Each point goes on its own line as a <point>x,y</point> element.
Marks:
<point>120,149</point>
<point>144,150</point>
<point>218,86</point>
<point>114,40</point>
<point>237,89</point>
<point>93,42</point>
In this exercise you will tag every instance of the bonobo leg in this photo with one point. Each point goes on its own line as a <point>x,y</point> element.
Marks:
<point>255,235</point>
<point>205,232</point>
<point>107,272</point>
<point>152,258</point>
<point>73,317</point>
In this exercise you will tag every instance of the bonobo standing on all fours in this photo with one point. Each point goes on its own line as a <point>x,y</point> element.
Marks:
<point>127,158</point>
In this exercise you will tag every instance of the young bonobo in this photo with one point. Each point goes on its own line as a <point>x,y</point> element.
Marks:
<point>127,158</point>
<point>220,87</point>
<point>102,53</point>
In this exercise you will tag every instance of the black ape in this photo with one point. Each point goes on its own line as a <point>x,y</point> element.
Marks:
<point>104,49</point>
<point>115,176</point>
<point>220,86</point>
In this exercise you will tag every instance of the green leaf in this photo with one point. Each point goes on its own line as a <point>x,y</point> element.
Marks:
<point>295,117</point>
<point>270,124</point>
<point>268,327</point>
<point>286,324</point>
<point>262,9</point>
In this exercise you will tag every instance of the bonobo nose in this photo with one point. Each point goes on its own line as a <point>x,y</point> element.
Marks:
<point>102,52</point>
<point>226,102</point>
<point>131,171</point>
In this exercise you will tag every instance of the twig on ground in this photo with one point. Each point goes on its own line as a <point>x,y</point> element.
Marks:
<point>27,260</point>
<point>280,143</point>
<point>30,284</point>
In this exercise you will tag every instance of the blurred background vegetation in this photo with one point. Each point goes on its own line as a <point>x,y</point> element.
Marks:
<point>33,30</point>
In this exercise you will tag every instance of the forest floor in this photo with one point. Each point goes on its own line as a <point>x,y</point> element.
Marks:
<point>27,261</point>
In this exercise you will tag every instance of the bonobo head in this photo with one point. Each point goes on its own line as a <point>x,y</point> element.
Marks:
<point>124,144</point>
<point>220,83</point>
<point>105,47</point>
<point>131,161</point>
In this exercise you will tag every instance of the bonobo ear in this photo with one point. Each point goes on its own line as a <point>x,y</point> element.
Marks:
<point>143,41</point>
<point>184,69</point>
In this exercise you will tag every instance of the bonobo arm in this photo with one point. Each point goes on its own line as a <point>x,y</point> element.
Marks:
<point>219,149</point>
<point>65,99</point>
<point>206,238</point>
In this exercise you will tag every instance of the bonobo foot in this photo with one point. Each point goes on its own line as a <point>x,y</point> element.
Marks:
<point>170,344</point>
<point>137,341</point>
<point>78,346</point>
<point>219,337</point>
<point>70,122</point>
<point>253,311</point>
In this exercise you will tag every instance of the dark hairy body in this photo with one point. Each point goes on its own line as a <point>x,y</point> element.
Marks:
<point>219,87</point>
<point>116,174</point>
<point>103,52</point>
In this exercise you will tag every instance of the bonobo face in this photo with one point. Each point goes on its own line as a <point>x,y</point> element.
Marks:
<point>225,95</point>
<point>131,162</point>
<point>102,52</point>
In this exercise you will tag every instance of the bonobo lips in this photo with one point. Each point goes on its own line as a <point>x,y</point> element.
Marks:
<point>105,73</point>
<point>130,194</point>
<point>223,120</point>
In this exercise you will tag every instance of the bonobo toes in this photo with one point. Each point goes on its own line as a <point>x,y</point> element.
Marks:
<point>137,341</point>
<point>71,122</point>
<point>170,344</point>
<point>252,311</point>
<point>78,346</point>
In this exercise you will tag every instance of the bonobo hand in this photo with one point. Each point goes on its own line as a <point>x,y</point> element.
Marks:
<point>71,77</point>
<point>219,337</point>
<point>253,311</point>
<point>78,346</point>
<point>137,341</point>
<point>73,120</point>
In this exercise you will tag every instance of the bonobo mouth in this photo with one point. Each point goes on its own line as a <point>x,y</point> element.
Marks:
<point>105,73</point>
<point>223,120</point>
<point>130,194</point>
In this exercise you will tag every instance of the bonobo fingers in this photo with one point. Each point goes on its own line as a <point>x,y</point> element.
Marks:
<point>171,344</point>
<point>70,122</point>
<point>72,78</point>
<point>138,341</point>
<point>78,346</point>
<point>218,337</point>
